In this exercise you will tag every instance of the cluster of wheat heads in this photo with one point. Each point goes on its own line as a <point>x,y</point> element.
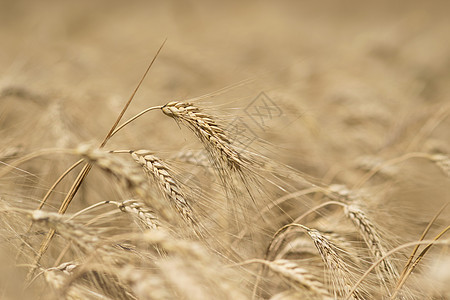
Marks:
<point>248,228</point>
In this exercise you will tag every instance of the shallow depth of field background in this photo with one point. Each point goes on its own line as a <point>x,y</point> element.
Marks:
<point>354,82</point>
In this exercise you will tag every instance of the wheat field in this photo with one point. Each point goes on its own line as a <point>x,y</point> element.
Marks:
<point>275,150</point>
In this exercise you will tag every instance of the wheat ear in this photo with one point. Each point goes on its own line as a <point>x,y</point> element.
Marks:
<point>68,229</point>
<point>130,178</point>
<point>198,158</point>
<point>338,269</point>
<point>291,271</point>
<point>386,271</point>
<point>57,276</point>
<point>210,133</point>
<point>143,213</point>
<point>155,168</point>
<point>373,241</point>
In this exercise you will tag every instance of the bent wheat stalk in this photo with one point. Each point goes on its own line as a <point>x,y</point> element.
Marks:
<point>86,169</point>
<point>387,271</point>
<point>403,279</point>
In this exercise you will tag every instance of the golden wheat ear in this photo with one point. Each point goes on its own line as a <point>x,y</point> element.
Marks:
<point>156,169</point>
<point>210,133</point>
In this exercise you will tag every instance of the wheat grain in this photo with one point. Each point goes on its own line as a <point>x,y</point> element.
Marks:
<point>110,259</point>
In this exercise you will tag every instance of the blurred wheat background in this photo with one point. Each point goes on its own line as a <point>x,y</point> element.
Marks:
<point>338,101</point>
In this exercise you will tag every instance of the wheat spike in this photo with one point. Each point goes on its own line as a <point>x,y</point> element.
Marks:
<point>156,168</point>
<point>80,235</point>
<point>373,242</point>
<point>339,271</point>
<point>208,131</point>
<point>145,285</point>
<point>77,281</point>
<point>387,272</point>
<point>144,214</point>
<point>198,158</point>
<point>57,276</point>
<point>293,272</point>
<point>131,179</point>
